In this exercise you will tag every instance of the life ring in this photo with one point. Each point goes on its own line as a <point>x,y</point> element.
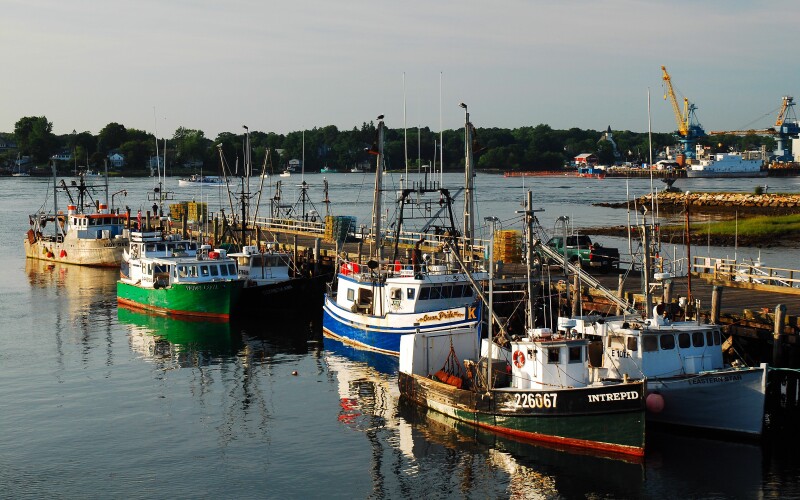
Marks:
<point>519,359</point>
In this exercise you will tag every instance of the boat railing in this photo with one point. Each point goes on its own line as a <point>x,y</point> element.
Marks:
<point>308,227</point>
<point>747,272</point>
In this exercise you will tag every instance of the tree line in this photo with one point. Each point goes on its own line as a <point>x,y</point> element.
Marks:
<point>525,148</point>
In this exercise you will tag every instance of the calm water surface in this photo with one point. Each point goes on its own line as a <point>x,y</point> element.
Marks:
<point>101,402</point>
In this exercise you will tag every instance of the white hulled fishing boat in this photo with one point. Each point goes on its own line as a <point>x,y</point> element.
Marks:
<point>95,238</point>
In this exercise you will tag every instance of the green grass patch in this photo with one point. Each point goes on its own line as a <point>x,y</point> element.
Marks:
<point>761,226</point>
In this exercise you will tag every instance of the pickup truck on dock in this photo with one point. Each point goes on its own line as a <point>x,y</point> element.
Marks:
<point>581,251</point>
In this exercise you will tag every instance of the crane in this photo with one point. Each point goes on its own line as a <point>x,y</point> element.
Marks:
<point>786,128</point>
<point>689,130</point>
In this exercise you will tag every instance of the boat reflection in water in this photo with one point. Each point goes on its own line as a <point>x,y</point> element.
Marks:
<point>532,470</point>
<point>201,341</point>
<point>78,297</point>
<point>367,386</point>
<point>184,341</point>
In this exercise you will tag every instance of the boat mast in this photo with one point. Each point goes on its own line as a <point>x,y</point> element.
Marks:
<point>245,173</point>
<point>490,335</point>
<point>55,200</point>
<point>376,200</point>
<point>469,224</point>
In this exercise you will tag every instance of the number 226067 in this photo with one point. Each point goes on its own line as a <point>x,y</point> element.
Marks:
<point>537,400</point>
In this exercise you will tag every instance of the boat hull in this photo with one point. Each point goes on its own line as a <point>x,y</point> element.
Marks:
<point>82,252</point>
<point>292,294</point>
<point>603,418</point>
<point>710,174</point>
<point>216,299</point>
<point>723,400</point>
<point>382,333</point>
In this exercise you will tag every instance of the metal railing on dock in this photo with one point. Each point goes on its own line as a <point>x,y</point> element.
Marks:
<point>746,272</point>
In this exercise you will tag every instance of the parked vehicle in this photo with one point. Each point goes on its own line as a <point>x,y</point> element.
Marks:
<point>580,250</point>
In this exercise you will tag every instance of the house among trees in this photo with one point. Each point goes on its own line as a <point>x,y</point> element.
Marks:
<point>6,143</point>
<point>62,156</point>
<point>116,160</point>
<point>585,160</point>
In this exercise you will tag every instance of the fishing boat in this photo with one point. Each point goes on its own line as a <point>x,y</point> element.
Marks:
<point>272,283</point>
<point>95,238</point>
<point>169,275</point>
<point>196,179</point>
<point>286,173</point>
<point>688,383</point>
<point>747,164</point>
<point>547,394</point>
<point>535,387</point>
<point>371,305</point>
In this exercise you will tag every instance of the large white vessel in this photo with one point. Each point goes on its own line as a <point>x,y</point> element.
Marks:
<point>747,164</point>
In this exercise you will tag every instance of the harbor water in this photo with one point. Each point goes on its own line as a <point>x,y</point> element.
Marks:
<point>102,402</point>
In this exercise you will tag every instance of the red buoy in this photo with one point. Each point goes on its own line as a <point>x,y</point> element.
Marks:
<point>654,402</point>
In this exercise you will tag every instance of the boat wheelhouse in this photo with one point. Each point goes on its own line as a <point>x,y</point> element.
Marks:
<point>373,306</point>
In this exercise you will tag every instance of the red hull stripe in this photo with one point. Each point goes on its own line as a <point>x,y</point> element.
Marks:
<point>579,443</point>
<point>170,312</point>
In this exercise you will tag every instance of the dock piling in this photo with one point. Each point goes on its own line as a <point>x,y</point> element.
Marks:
<point>777,341</point>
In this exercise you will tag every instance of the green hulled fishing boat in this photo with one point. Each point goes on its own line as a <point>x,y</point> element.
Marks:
<point>169,275</point>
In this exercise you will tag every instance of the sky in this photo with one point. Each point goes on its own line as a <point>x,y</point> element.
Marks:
<point>157,65</point>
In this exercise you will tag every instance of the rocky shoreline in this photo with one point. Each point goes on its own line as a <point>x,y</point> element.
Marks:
<point>717,206</point>
<point>716,203</point>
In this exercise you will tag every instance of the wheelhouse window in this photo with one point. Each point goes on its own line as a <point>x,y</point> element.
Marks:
<point>716,337</point>
<point>204,271</point>
<point>667,341</point>
<point>553,355</point>
<point>214,271</point>
<point>396,294</point>
<point>424,293</point>
<point>576,354</point>
<point>697,339</point>
<point>649,343</point>
<point>447,291</point>
<point>615,342</point>
<point>351,294</point>
<point>410,293</point>
<point>631,344</point>
<point>683,340</point>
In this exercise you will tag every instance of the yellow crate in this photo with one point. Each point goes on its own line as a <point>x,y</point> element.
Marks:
<point>507,245</point>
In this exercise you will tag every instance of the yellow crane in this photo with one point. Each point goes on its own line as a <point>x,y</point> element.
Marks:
<point>688,128</point>
<point>681,118</point>
<point>788,102</point>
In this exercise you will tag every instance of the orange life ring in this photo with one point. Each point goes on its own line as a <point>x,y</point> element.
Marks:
<point>519,359</point>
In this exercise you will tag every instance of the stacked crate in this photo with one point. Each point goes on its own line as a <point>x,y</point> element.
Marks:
<point>508,246</point>
<point>337,227</point>
<point>177,211</point>
<point>197,211</point>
